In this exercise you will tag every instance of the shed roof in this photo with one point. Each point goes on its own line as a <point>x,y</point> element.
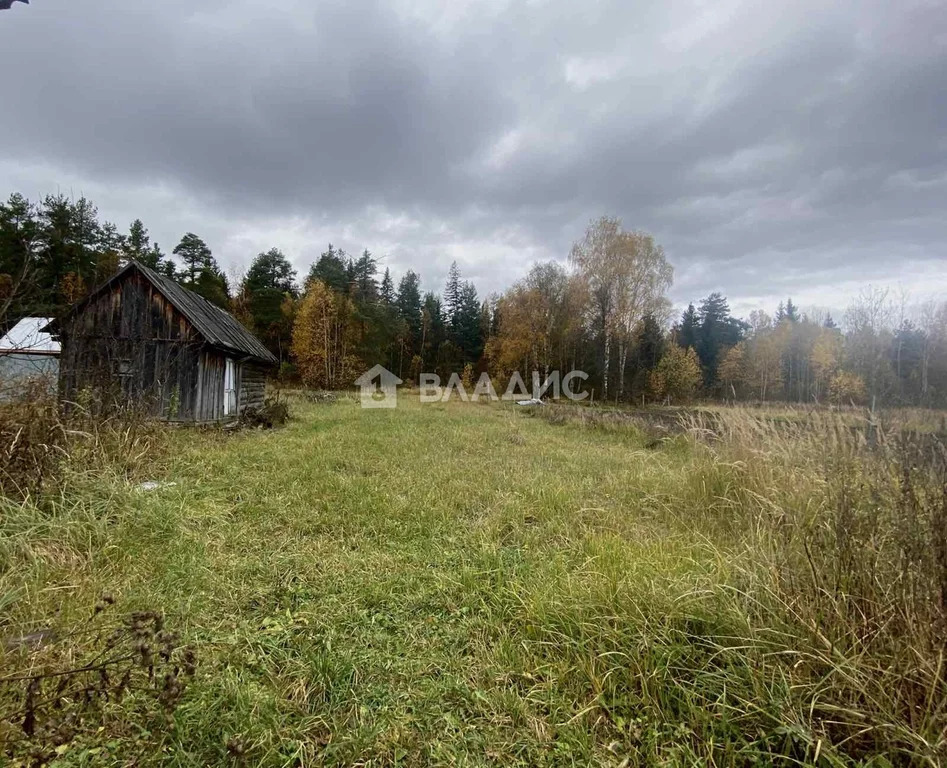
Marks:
<point>28,336</point>
<point>217,326</point>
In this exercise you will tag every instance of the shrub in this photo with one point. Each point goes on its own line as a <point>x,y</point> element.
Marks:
<point>273,413</point>
<point>287,373</point>
<point>677,375</point>
<point>847,387</point>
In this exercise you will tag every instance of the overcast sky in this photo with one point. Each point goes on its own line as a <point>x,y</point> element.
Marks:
<point>773,148</point>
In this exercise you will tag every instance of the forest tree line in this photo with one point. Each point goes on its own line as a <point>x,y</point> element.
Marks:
<point>605,313</point>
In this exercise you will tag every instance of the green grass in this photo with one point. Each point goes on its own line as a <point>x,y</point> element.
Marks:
<point>458,584</point>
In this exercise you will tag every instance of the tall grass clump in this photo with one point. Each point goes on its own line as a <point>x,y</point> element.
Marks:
<point>31,439</point>
<point>64,476</point>
<point>43,445</point>
<point>65,480</point>
<point>838,537</point>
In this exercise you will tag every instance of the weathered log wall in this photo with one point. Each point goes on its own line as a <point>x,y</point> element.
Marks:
<point>252,386</point>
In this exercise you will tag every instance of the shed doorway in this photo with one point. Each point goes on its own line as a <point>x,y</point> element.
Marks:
<point>230,388</point>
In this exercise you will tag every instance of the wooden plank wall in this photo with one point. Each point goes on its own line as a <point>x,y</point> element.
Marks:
<point>132,344</point>
<point>210,400</point>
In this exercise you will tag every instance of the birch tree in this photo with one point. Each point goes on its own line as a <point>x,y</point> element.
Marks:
<point>627,276</point>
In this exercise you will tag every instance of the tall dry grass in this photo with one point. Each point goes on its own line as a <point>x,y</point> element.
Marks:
<point>843,529</point>
<point>43,445</point>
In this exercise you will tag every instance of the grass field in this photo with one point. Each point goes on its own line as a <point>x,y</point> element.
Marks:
<point>466,584</point>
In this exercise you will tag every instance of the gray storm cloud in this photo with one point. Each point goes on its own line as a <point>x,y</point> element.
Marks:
<point>772,148</point>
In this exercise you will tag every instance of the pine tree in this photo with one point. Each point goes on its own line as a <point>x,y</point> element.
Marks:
<point>201,272</point>
<point>137,244</point>
<point>196,257</point>
<point>87,239</point>
<point>111,246</point>
<point>268,282</point>
<point>162,264</point>
<point>68,246</point>
<point>271,271</point>
<point>213,285</point>
<point>21,288</point>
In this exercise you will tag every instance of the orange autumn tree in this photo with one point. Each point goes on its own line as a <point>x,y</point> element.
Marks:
<point>325,336</point>
<point>538,323</point>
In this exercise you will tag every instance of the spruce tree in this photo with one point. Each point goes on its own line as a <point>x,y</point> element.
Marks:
<point>433,326</point>
<point>452,293</point>
<point>364,285</point>
<point>687,330</point>
<point>791,313</point>
<point>718,332</point>
<point>466,324</point>
<point>387,290</point>
<point>331,270</point>
<point>408,302</point>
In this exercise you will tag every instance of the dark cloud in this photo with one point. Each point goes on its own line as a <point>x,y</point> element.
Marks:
<point>772,148</point>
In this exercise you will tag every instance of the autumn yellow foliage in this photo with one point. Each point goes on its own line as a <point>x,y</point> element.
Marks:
<point>677,376</point>
<point>324,338</point>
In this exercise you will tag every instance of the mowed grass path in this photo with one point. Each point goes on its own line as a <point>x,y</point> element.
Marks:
<point>436,584</point>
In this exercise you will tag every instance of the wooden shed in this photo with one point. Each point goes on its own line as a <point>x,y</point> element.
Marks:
<point>142,338</point>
